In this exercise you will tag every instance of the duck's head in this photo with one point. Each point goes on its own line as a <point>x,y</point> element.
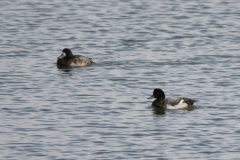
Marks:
<point>158,93</point>
<point>66,53</point>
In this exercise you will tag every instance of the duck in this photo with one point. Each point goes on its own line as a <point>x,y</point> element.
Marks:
<point>68,59</point>
<point>170,102</point>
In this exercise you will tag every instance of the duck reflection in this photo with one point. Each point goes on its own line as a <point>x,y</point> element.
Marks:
<point>162,111</point>
<point>65,71</point>
<point>67,68</point>
<point>158,111</point>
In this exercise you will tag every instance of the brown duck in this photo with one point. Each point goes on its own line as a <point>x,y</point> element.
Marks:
<point>68,59</point>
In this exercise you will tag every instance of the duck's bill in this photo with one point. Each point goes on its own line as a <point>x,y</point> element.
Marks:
<point>150,97</point>
<point>62,55</point>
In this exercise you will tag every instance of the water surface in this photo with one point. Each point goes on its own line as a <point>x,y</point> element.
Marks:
<point>101,111</point>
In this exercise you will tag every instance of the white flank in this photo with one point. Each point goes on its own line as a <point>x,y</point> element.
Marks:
<point>81,62</point>
<point>180,105</point>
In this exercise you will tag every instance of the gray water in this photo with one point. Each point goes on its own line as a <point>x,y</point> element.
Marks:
<point>187,48</point>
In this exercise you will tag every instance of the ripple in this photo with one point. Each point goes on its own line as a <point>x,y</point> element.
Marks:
<point>100,112</point>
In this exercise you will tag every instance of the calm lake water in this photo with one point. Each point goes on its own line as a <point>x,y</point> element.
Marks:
<point>187,48</point>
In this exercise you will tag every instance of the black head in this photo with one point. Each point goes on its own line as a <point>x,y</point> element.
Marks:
<point>160,101</point>
<point>66,53</point>
<point>159,94</point>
